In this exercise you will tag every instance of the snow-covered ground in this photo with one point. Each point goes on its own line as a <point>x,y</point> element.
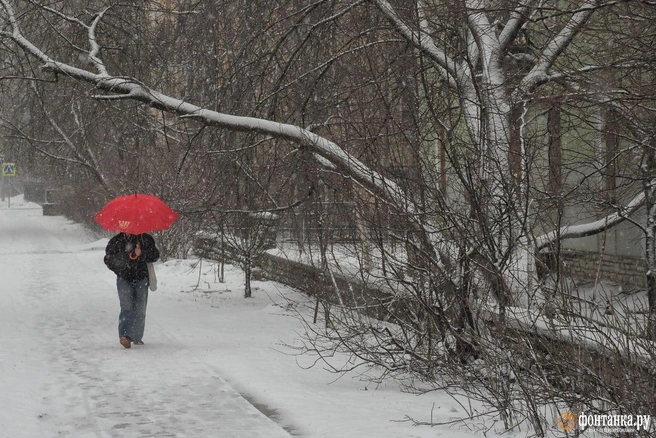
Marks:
<point>63,372</point>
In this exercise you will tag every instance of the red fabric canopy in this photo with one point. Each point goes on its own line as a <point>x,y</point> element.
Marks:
<point>136,214</point>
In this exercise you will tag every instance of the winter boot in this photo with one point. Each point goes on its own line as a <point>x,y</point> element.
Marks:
<point>126,342</point>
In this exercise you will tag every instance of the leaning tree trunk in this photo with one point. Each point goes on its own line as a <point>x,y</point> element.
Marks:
<point>650,240</point>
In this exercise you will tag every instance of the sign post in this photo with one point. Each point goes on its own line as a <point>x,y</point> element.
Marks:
<point>8,169</point>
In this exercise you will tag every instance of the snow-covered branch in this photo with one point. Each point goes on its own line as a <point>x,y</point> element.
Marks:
<point>539,73</point>
<point>95,48</point>
<point>17,36</point>
<point>131,88</point>
<point>591,228</point>
<point>518,18</point>
<point>91,33</point>
<point>450,70</point>
<point>454,73</point>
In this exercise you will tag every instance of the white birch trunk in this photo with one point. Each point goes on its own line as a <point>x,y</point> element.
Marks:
<point>503,211</point>
<point>650,243</point>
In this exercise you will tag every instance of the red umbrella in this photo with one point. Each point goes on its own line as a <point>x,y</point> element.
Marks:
<point>136,214</point>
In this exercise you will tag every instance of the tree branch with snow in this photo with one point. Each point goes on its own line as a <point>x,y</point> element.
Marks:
<point>539,74</point>
<point>591,228</point>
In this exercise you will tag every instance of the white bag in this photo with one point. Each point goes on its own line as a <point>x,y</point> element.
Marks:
<point>152,278</point>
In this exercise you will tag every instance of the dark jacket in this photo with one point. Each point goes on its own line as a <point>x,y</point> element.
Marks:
<point>121,259</point>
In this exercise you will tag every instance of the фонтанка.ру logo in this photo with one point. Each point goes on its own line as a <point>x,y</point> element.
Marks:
<point>607,423</point>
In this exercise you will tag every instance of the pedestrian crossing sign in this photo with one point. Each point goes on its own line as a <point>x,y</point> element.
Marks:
<point>8,169</point>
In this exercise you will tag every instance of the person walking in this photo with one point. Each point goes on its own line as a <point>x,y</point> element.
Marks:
<point>128,255</point>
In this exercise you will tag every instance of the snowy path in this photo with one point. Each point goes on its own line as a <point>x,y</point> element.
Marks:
<point>63,372</point>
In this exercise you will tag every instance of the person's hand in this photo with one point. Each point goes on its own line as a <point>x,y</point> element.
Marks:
<point>136,253</point>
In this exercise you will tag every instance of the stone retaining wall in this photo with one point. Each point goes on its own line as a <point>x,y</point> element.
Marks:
<point>584,265</point>
<point>306,278</point>
<point>580,265</point>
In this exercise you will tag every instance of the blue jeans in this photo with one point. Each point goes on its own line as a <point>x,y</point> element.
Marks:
<point>133,296</point>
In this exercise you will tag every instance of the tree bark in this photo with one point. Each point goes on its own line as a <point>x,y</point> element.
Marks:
<point>650,237</point>
<point>248,264</point>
